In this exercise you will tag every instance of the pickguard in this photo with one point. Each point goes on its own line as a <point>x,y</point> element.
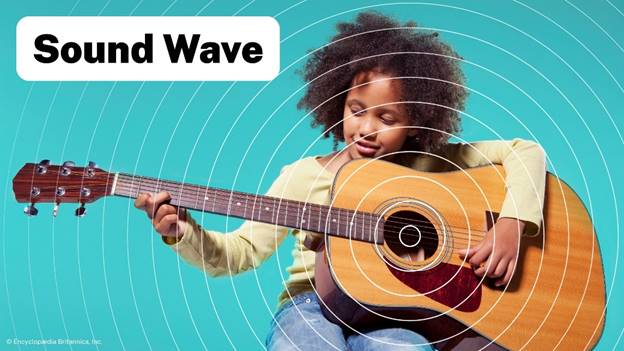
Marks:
<point>451,285</point>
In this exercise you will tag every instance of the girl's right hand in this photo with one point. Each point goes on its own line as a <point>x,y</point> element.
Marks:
<point>168,220</point>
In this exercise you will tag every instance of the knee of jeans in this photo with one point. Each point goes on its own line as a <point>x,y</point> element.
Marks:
<point>280,343</point>
<point>390,339</point>
<point>413,344</point>
<point>293,319</point>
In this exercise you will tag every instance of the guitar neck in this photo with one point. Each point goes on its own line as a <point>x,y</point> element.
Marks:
<point>287,213</point>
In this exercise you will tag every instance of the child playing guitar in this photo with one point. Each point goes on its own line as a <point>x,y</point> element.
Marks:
<point>390,92</point>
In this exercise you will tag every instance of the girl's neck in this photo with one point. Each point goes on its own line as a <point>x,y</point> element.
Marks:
<point>332,162</point>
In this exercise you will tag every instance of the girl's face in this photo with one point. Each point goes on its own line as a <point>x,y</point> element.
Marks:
<point>375,123</point>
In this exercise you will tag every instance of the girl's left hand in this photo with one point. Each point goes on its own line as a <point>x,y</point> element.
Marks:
<point>501,254</point>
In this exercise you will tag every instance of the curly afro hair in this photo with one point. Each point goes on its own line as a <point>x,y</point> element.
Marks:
<point>434,82</point>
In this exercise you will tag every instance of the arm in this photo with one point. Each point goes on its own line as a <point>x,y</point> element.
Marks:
<point>215,253</point>
<point>525,180</point>
<point>521,212</point>
<point>228,253</point>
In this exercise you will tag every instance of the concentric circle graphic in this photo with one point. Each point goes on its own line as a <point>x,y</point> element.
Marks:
<point>548,72</point>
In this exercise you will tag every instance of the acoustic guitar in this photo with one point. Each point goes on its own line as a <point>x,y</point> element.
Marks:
<point>380,215</point>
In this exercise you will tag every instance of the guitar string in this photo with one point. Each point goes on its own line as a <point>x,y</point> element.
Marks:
<point>227,194</point>
<point>231,194</point>
<point>218,193</point>
<point>427,241</point>
<point>131,189</point>
<point>285,205</point>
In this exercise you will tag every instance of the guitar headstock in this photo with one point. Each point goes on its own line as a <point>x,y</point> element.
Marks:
<point>43,182</point>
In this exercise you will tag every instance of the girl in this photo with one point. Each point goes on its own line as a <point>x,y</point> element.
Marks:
<point>386,91</point>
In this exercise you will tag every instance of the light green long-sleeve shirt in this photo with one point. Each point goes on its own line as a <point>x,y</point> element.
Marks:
<point>307,180</point>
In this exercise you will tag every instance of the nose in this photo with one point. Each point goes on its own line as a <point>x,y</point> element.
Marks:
<point>367,127</point>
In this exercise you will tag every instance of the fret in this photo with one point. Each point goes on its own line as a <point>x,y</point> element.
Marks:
<point>258,206</point>
<point>360,226</point>
<point>364,232</point>
<point>277,207</point>
<point>269,212</point>
<point>265,211</point>
<point>354,224</point>
<point>285,220</point>
<point>297,224</point>
<point>272,211</point>
<point>361,229</point>
<point>245,206</point>
<point>339,221</point>
<point>177,194</point>
<point>328,222</point>
<point>318,227</point>
<point>211,198</point>
<point>351,227</point>
<point>139,188</point>
<point>241,204</point>
<point>254,208</point>
<point>370,226</point>
<point>229,199</point>
<point>196,198</point>
<point>261,209</point>
<point>214,200</point>
<point>328,219</point>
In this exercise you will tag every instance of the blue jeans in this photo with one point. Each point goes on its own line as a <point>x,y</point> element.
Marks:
<point>300,325</point>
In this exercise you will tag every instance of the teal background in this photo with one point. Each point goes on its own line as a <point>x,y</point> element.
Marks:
<point>549,71</point>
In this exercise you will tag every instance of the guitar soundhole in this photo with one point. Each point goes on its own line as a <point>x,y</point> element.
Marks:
<point>410,236</point>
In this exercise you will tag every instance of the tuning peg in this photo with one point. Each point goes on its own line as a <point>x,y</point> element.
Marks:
<point>92,164</point>
<point>66,169</point>
<point>31,210</point>
<point>81,211</point>
<point>42,167</point>
<point>55,210</point>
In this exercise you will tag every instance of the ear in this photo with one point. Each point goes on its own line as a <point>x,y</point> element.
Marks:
<point>412,132</point>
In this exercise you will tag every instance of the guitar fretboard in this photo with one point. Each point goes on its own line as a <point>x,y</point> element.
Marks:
<point>341,222</point>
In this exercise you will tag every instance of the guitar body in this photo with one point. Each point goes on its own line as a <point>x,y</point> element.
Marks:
<point>556,299</point>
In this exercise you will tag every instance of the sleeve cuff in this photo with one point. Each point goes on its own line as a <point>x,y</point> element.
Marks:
<point>533,221</point>
<point>185,238</point>
<point>531,227</point>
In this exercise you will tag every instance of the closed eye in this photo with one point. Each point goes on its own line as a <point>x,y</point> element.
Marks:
<point>357,112</point>
<point>387,120</point>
